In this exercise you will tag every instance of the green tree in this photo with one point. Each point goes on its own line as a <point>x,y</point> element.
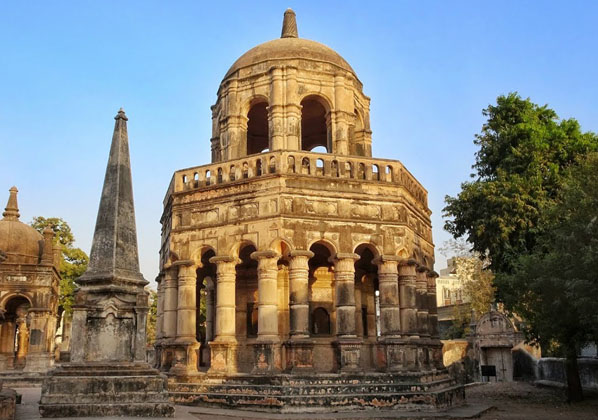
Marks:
<point>525,158</point>
<point>74,260</point>
<point>524,153</point>
<point>152,317</point>
<point>560,276</point>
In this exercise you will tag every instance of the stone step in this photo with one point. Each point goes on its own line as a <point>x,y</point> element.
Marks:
<point>312,389</point>
<point>106,398</point>
<point>346,401</point>
<point>103,385</point>
<point>112,409</point>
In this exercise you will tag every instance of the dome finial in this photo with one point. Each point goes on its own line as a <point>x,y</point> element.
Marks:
<point>12,208</point>
<point>289,25</point>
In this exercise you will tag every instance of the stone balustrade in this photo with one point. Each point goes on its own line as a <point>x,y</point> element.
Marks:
<point>298,163</point>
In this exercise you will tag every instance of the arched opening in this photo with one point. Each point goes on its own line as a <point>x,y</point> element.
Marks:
<point>320,167</point>
<point>246,294</point>
<point>375,172</point>
<point>334,168</point>
<point>257,128</point>
<point>219,176</point>
<point>232,173</point>
<point>367,293</point>
<point>258,167</point>
<point>272,165</point>
<point>291,165</point>
<point>14,333</point>
<point>205,305</point>
<point>314,130</point>
<point>321,289</point>
<point>320,322</point>
<point>305,166</point>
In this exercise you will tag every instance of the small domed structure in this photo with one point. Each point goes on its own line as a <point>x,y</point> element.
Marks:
<point>29,284</point>
<point>20,242</point>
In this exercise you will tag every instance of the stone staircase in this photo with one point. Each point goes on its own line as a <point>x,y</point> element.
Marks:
<point>319,392</point>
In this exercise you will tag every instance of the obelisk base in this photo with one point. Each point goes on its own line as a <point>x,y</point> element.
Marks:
<point>104,389</point>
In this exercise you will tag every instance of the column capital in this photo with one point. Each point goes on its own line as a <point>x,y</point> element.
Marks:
<point>344,256</point>
<point>433,274</point>
<point>408,261</point>
<point>222,259</point>
<point>259,255</point>
<point>386,259</point>
<point>422,269</point>
<point>301,253</point>
<point>183,263</point>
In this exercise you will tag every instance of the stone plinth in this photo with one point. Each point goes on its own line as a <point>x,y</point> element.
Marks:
<point>119,389</point>
<point>299,355</point>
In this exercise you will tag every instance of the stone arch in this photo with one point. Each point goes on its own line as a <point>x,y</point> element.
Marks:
<point>197,254</point>
<point>246,292</point>
<point>321,283</point>
<point>14,331</point>
<point>5,299</point>
<point>315,123</point>
<point>403,253</point>
<point>282,246</point>
<point>236,248</point>
<point>257,140</point>
<point>205,299</point>
<point>332,248</point>
<point>367,291</point>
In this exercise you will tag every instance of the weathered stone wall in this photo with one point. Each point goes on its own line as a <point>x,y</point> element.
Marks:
<point>553,369</point>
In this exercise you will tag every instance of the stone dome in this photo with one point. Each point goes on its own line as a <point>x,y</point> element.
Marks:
<point>18,241</point>
<point>289,46</point>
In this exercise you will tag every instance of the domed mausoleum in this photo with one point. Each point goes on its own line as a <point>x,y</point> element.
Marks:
<point>29,285</point>
<point>296,271</point>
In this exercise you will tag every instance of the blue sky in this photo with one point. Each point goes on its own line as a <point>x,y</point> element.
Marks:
<point>430,68</point>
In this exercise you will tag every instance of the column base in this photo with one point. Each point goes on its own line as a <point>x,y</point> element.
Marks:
<point>185,359</point>
<point>223,357</point>
<point>299,355</point>
<point>267,357</point>
<point>348,354</point>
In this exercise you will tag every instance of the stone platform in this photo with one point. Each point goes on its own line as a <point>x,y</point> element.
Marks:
<point>319,393</point>
<point>88,390</point>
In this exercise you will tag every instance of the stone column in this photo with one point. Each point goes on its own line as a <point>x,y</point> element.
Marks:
<point>343,113</point>
<point>170,304</point>
<point>223,348</point>
<point>390,349</point>
<point>276,110</point>
<point>348,345</point>
<point>160,310</point>
<point>299,347</point>
<point>293,111</point>
<point>436,345</point>
<point>407,298</point>
<point>186,340</point>
<point>421,301</point>
<point>267,348</point>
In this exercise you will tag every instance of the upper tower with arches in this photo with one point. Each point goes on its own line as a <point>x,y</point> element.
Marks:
<point>290,94</point>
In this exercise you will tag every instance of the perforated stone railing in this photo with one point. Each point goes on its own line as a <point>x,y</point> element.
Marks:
<point>299,163</point>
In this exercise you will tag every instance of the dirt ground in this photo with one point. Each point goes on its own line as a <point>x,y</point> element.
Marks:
<point>520,400</point>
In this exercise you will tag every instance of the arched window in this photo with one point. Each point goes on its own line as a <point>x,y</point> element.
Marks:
<point>389,173</point>
<point>258,167</point>
<point>376,172</point>
<point>291,164</point>
<point>305,166</point>
<point>361,171</point>
<point>232,173</point>
<point>208,177</point>
<point>314,131</point>
<point>320,167</point>
<point>219,176</point>
<point>320,322</point>
<point>272,165</point>
<point>334,168</point>
<point>245,170</point>
<point>257,128</point>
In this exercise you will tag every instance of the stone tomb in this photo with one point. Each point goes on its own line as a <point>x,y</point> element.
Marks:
<point>296,270</point>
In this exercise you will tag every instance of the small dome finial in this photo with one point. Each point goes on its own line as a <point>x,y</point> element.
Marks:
<point>289,25</point>
<point>12,208</point>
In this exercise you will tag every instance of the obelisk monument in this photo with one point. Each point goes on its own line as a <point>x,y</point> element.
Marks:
<point>107,374</point>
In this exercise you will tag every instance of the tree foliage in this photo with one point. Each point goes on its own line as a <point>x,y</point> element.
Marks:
<point>524,153</point>
<point>152,317</point>
<point>554,287</point>
<point>74,261</point>
<point>522,211</point>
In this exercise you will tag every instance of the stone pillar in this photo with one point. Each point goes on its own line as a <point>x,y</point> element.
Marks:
<point>408,309</point>
<point>421,300</point>
<point>436,345</point>
<point>186,340</point>
<point>343,114</point>
<point>170,304</point>
<point>160,310</point>
<point>390,354</point>
<point>348,345</point>
<point>276,110</point>
<point>299,346</point>
<point>267,348</point>
<point>223,356</point>
<point>293,111</point>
